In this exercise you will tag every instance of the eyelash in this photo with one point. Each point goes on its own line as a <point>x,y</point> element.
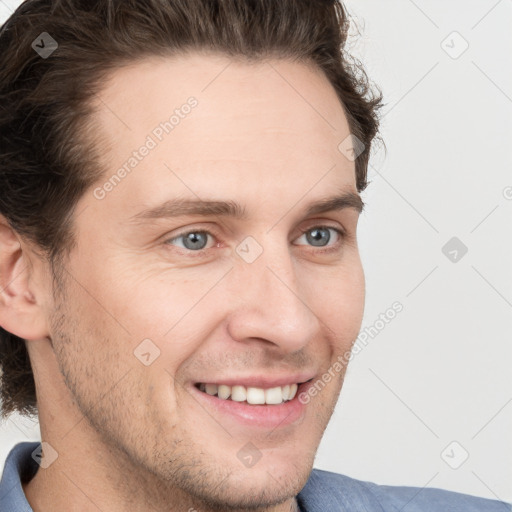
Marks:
<point>201,252</point>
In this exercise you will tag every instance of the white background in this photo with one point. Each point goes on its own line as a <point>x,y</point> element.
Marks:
<point>439,372</point>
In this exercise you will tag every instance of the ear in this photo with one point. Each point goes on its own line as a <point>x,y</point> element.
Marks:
<point>21,313</point>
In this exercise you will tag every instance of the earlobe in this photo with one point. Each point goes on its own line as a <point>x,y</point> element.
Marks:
<point>20,309</point>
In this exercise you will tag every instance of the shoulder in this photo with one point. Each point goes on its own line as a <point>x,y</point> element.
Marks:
<point>340,492</point>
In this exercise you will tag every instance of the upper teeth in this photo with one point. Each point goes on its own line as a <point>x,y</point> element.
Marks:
<point>252,395</point>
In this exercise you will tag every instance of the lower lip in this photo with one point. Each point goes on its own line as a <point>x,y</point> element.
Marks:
<point>262,416</point>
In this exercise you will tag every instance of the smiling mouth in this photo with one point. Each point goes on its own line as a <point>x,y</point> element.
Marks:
<point>251,395</point>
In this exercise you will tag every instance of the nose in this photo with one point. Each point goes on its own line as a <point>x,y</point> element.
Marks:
<point>271,304</point>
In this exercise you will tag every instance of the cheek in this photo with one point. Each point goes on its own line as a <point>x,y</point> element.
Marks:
<point>108,339</point>
<point>156,304</point>
<point>338,299</point>
<point>171,317</point>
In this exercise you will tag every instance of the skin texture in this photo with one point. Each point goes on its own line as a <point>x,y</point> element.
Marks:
<point>133,437</point>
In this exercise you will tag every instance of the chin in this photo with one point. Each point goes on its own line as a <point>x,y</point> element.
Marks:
<point>279,478</point>
<point>253,490</point>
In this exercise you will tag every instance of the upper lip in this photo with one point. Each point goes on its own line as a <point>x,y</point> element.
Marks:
<point>260,380</point>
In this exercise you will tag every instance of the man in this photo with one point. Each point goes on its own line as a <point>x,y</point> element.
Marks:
<point>178,256</point>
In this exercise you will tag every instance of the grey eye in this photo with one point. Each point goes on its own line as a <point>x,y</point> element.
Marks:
<point>193,241</point>
<point>318,237</point>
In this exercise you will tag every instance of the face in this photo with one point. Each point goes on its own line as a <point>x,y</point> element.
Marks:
<point>166,306</point>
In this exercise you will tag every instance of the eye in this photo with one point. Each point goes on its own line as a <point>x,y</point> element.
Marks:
<point>197,240</point>
<point>320,236</point>
<point>193,240</point>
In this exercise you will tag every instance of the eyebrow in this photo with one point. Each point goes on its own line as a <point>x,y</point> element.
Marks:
<point>182,207</point>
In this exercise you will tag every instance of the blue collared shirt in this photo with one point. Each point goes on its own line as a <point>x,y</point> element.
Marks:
<point>323,492</point>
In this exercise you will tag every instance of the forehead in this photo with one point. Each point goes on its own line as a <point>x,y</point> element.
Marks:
<point>251,123</point>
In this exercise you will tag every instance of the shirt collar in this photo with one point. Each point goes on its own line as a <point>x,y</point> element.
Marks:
<point>19,467</point>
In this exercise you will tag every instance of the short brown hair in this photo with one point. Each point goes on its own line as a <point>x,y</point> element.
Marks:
<point>48,154</point>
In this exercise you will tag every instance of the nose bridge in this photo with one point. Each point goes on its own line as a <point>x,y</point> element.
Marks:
<point>271,305</point>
